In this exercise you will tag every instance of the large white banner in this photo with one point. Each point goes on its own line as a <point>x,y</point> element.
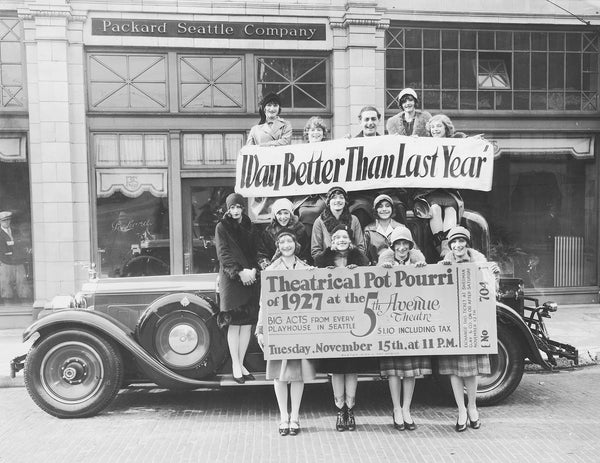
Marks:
<point>374,311</point>
<point>389,161</point>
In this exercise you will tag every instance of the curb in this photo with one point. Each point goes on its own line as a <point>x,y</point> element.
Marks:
<point>7,381</point>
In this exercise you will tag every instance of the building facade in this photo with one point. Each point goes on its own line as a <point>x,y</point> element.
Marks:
<point>120,123</point>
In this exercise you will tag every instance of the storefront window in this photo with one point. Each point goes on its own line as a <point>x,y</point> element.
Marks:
<point>542,213</point>
<point>133,235</point>
<point>132,208</point>
<point>16,261</point>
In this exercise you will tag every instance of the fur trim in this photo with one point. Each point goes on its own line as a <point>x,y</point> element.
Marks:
<point>331,222</point>
<point>327,257</point>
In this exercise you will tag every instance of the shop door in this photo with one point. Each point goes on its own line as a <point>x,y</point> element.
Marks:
<point>203,202</point>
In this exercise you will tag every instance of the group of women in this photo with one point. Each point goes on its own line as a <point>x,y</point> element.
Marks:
<point>337,239</point>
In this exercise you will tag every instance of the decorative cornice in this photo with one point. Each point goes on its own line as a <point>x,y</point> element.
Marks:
<point>347,22</point>
<point>30,13</point>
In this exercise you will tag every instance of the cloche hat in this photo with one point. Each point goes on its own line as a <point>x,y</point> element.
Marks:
<point>382,197</point>
<point>459,232</point>
<point>281,204</point>
<point>333,190</point>
<point>234,198</point>
<point>401,233</point>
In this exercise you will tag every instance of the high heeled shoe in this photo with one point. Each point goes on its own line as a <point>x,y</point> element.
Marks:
<point>475,424</point>
<point>410,426</point>
<point>340,423</point>
<point>239,379</point>
<point>284,428</point>
<point>249,377</point>
<point>350,422</point>
<point>294,428</point>
<point>461,427</point>
<point>397,426</point>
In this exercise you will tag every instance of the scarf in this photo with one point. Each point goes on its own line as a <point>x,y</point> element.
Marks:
<point>331,222</point>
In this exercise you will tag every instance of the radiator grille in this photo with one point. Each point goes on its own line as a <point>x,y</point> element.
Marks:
<point>568,261</point>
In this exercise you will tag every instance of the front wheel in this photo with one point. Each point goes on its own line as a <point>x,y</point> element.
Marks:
<point>506,369</point>
<point>73,373</point>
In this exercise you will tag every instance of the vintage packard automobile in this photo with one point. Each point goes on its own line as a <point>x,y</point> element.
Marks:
<point>163,329</point>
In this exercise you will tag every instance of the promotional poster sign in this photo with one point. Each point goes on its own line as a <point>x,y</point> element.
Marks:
<point>374,311</point>
<point>390,161</point>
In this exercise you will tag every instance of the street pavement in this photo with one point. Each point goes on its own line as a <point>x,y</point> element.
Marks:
<point>551,417</point>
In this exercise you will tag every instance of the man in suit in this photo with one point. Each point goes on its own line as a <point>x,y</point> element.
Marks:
<point>14,284</point>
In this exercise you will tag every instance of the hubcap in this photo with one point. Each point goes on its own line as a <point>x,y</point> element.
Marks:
<point>183,338</point>
<point>71,372</point>
<point>74,371</point>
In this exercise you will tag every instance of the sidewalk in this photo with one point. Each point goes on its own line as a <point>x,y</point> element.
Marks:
<point>578,325</point>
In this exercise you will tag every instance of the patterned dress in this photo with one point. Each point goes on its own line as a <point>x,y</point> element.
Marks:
<point>405,367</point>
<point>465,365</point>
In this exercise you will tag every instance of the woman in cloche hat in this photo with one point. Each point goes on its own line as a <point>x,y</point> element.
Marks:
<point>236,241</point>
<point>271,130</point>
<point>289,371</point>
<point>463,369</point>
<point>403,371</point>
<point>410,120</point>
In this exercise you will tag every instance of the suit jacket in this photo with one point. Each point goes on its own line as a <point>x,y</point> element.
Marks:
<point>11,249</point>
<point>277,134</point>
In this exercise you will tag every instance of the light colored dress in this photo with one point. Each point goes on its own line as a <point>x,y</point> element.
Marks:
<point>291,369</point>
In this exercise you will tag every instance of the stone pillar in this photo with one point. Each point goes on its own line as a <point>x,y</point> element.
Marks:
<point>358,65</point>
<point>57,147</point>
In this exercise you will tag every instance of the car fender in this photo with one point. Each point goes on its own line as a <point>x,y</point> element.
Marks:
<point>508,316</point>
<point>198,311</point>
<point>120,334</point>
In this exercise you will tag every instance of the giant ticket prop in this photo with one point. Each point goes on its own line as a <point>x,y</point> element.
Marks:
<point>374,311</point>
<point>367,163</point>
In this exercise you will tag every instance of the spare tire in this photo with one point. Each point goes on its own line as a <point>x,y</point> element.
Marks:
<point>180,330</point>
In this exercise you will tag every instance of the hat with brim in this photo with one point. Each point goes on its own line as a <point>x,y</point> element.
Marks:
<point>333,190</point>
<point>5,215</point>
<point>459,232</point>
<point>401,233</point>
<point>282,204</point>
<point>382,197</point>
<point>408,92</point>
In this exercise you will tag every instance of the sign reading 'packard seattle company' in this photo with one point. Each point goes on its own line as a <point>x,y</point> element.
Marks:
<point>207,29</point>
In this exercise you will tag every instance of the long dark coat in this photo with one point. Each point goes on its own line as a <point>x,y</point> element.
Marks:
<point>237,249</point>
